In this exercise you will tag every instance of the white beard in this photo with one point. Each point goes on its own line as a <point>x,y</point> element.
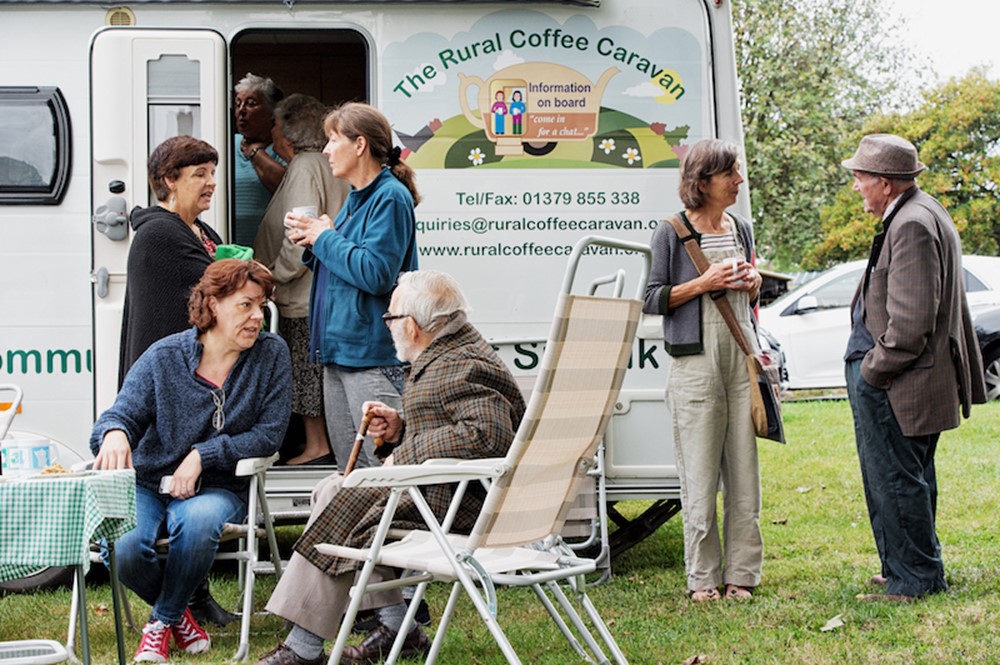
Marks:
<point>404,349</point>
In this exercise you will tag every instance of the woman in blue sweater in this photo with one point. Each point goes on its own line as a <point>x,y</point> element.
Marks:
<point>356,259</point>
<point>192,406</point>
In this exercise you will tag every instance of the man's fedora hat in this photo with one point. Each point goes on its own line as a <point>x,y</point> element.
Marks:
<point>885,155</point>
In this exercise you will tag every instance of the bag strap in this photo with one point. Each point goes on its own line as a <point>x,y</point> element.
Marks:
<point>718,297</point>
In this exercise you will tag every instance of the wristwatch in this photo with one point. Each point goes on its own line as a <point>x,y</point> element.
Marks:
<point>253,152</point>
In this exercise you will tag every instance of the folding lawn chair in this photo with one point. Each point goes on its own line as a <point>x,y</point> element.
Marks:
<point>516,541</point>
<point>257,525</point>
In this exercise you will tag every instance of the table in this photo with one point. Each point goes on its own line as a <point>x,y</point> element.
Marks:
<point>51,520</point>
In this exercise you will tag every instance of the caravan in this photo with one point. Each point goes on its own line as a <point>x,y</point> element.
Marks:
<point>529,125</point>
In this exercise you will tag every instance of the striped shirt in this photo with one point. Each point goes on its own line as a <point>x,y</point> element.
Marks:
<point>718,242</point>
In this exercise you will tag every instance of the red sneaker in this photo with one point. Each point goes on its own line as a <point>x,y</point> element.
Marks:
<point>154,647</point>
<point>188,635</point>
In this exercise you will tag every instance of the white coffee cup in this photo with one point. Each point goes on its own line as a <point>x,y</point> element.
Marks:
<point>308,211</point>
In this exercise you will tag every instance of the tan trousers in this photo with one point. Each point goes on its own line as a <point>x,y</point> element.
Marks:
<point>310,598</point>
<point>709,399</point>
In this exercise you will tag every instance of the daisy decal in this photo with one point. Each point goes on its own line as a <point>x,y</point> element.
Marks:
<point>631,155</point>
<point>476,156</point>
<point>607,145</point>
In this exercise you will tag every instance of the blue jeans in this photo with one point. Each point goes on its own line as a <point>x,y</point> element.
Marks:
<point>900,484</point>
<point>193,527</point>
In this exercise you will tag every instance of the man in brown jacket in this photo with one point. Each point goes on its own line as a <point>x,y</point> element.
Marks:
<point>913,362</point>
<point>459,401</point>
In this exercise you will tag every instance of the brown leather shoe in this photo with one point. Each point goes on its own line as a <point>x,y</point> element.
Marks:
<point>877,580</point>
<point>378,644</point>
<point>282,655</point>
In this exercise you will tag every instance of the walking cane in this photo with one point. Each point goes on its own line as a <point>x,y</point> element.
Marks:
<point>359,441</point>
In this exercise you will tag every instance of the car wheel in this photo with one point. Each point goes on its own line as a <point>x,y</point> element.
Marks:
<point>46,578</point>
<point>991,365</point>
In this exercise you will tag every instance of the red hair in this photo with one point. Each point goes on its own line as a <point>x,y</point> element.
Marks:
<point>221,279</point>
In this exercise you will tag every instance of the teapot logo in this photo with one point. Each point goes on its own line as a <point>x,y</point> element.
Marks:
<point>534,102</point>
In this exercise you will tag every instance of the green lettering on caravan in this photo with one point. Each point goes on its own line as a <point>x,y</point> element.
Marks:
<point>57,361</point>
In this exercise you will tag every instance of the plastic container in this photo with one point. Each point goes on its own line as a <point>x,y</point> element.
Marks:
<point>25,454</point>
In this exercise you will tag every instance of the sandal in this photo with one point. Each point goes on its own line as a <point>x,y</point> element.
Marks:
<point>702,595</point>
<point>738,592</point>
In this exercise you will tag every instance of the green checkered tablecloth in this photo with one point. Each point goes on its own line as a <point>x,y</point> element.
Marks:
<point>51,520</point>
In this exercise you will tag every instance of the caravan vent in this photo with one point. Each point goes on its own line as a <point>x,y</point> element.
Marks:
<point>120,16</point>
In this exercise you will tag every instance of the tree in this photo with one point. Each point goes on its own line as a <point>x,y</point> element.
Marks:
<point>957,134</point>
<point>811,72</point>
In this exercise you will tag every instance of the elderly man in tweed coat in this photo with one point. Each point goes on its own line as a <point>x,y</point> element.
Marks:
<point>459,401</point>
<point>913,363</point>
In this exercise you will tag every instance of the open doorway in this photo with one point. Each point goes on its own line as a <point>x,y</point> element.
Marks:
<point>332,65</point>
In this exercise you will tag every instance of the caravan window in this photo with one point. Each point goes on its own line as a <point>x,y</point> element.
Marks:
<point>34,146</point>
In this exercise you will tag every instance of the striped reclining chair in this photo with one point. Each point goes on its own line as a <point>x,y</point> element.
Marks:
<point>516,541</point>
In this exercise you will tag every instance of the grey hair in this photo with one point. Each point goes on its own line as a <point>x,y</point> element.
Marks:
<point>267,88</point>
<point>433,300</point>
<point>301,119</point>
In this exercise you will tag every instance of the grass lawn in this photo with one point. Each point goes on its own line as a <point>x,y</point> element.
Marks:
<point>818,555</point>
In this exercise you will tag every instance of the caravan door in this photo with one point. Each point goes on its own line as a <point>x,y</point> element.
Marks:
<point>146,86</point>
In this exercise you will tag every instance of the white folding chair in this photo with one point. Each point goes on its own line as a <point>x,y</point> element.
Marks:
<point>515,541</point>
<point>257,525</point>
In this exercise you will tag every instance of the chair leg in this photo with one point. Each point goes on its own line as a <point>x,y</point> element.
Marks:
<point>272,541</point>
<point>243,650</point>
<point>357,591</point>
<point>248,570</point>
<point>577,622</point>
<point>442,628</point>
<point>576,586</point>
<point>560,623</point>
<point>484,611</point>
<point>602,630</point>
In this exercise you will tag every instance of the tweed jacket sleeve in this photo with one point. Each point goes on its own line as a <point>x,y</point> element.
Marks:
<point>908,281</point>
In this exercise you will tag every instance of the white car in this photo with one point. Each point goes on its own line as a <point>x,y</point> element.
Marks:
<point>812,322</point>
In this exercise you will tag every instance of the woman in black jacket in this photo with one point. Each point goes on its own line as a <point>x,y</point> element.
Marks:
<point>171,247</point>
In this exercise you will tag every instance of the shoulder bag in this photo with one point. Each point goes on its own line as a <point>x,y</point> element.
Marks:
<point>765,400</point>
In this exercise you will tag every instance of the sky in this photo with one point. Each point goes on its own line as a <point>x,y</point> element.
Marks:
<point>955,35</point>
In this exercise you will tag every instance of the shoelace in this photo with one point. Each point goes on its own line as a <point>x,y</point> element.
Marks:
<point>187,630</point>
<point>155,633</point>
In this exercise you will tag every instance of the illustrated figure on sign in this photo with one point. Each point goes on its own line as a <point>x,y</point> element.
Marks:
<point>499,110</point>
<point>517,110</point>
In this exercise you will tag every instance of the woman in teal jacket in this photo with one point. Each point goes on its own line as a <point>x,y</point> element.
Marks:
<point>356,259</point>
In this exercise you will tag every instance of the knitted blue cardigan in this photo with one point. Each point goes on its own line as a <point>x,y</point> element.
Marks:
<point>165,409</point>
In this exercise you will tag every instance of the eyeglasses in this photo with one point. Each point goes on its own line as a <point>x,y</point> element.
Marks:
<point>219,417</point>
<point>249,104</point>
<point>389,317</point>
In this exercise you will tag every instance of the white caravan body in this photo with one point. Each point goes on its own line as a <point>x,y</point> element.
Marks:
<point>614,91</point>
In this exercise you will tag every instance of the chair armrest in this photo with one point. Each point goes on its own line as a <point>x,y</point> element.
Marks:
<point>245,467</point>
<point>443,461</point>
<point>429,473</point>
<point>253,465</point>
